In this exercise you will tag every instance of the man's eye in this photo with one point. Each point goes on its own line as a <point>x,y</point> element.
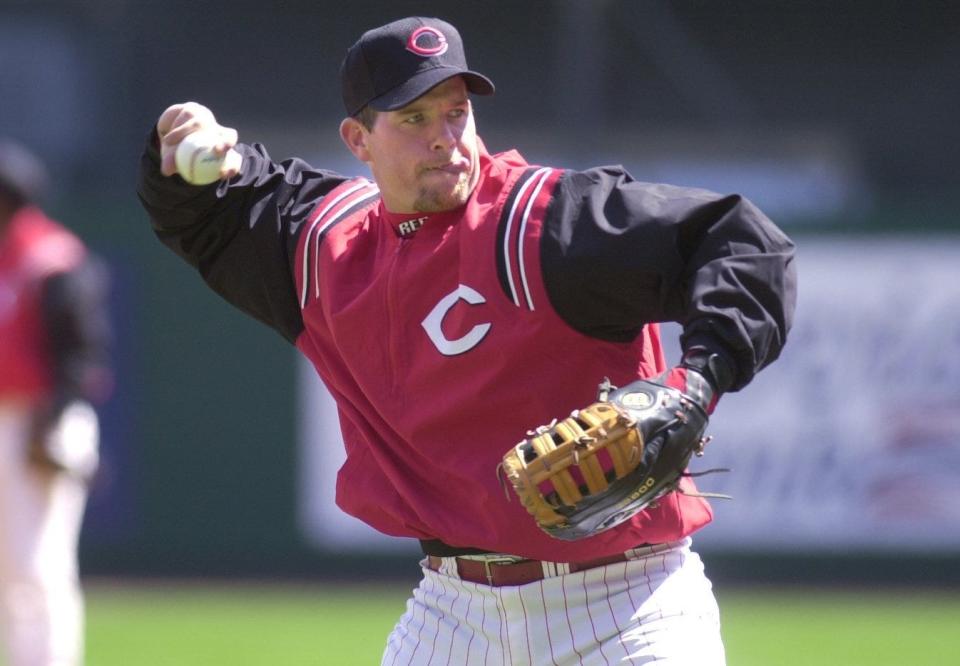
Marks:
<point>414,119</point>
<point>458,113</point>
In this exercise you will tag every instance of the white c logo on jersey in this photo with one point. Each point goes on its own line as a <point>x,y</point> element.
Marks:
<point>433,320</point>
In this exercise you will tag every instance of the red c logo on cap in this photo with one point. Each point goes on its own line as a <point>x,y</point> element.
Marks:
<point>415,44</point>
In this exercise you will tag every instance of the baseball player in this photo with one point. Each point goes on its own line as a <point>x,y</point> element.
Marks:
<point>461,298</point>
<point>53,365</point>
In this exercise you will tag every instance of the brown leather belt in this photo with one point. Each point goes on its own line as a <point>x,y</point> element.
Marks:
<point>507,571</point>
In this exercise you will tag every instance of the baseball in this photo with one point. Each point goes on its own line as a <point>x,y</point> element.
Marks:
<point>196,160</point>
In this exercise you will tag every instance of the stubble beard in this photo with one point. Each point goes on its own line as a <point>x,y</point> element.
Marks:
<point>437,199</point>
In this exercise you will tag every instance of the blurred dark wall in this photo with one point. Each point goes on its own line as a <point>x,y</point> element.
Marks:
<point>881,74</point>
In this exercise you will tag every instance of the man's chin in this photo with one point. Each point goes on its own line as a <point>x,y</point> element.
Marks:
<point>437,201</point>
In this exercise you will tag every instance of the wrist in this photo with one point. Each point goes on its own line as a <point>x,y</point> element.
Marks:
<point>695,385</point>
<point>713,366</point>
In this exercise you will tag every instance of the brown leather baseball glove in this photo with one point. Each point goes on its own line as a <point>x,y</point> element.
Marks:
<point>608,461</point>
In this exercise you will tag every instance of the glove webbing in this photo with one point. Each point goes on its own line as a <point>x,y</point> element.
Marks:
<point>566,459</point>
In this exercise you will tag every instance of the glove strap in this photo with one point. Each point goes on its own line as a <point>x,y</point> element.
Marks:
<point>692,383</point>
<point>703,375</point>
<point>711,365</point>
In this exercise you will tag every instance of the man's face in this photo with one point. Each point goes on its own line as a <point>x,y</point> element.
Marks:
<point>424,156</point>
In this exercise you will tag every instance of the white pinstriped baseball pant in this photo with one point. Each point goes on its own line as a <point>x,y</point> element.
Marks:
<point>656,608</point>
<point>41,603</point>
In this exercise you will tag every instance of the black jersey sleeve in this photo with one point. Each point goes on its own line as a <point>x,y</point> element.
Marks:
<point>240,234</point>
<point>617,254</point>
<point>74,310</point>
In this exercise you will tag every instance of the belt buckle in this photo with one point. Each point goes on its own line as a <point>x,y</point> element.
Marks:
<point>487,561</point>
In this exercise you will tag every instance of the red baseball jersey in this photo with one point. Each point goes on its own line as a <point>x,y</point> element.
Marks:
<point>32,248</point>
<point>434,365</point>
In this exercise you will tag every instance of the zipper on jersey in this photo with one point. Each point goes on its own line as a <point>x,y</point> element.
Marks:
<point>394,322</point>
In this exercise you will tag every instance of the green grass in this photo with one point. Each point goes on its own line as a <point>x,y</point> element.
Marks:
<point>242,625</point>
<point>287,625</point>
<point>841,628</point>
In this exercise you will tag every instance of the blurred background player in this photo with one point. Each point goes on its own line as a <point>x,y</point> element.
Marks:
<point>54,334</point>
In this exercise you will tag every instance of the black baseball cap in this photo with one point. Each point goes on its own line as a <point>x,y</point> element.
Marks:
<point>390,66</point>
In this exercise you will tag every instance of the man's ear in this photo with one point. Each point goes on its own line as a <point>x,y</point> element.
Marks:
<point>354,135</point>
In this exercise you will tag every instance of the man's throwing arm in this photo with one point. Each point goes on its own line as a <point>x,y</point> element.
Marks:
<point>240,233</point>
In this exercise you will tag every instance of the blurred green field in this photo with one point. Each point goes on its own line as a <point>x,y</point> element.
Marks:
<point>197,624</point>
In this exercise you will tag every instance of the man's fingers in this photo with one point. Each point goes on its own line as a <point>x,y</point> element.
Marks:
<point>183,125</point>
<point>179,120</point>
<point>231,164</point>
<point>167,118</point>
<point>168,165</point>
<point>228,139</point>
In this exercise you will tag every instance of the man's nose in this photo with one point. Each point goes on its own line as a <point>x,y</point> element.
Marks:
<point>446,136</point>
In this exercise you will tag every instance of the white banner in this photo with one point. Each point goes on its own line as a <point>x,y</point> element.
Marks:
<point>850,440</point>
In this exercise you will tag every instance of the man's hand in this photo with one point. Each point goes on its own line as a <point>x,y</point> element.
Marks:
<point>179,120</point>
<point>64,438</point>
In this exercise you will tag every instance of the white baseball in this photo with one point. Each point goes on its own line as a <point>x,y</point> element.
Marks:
<point>196,161</point>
